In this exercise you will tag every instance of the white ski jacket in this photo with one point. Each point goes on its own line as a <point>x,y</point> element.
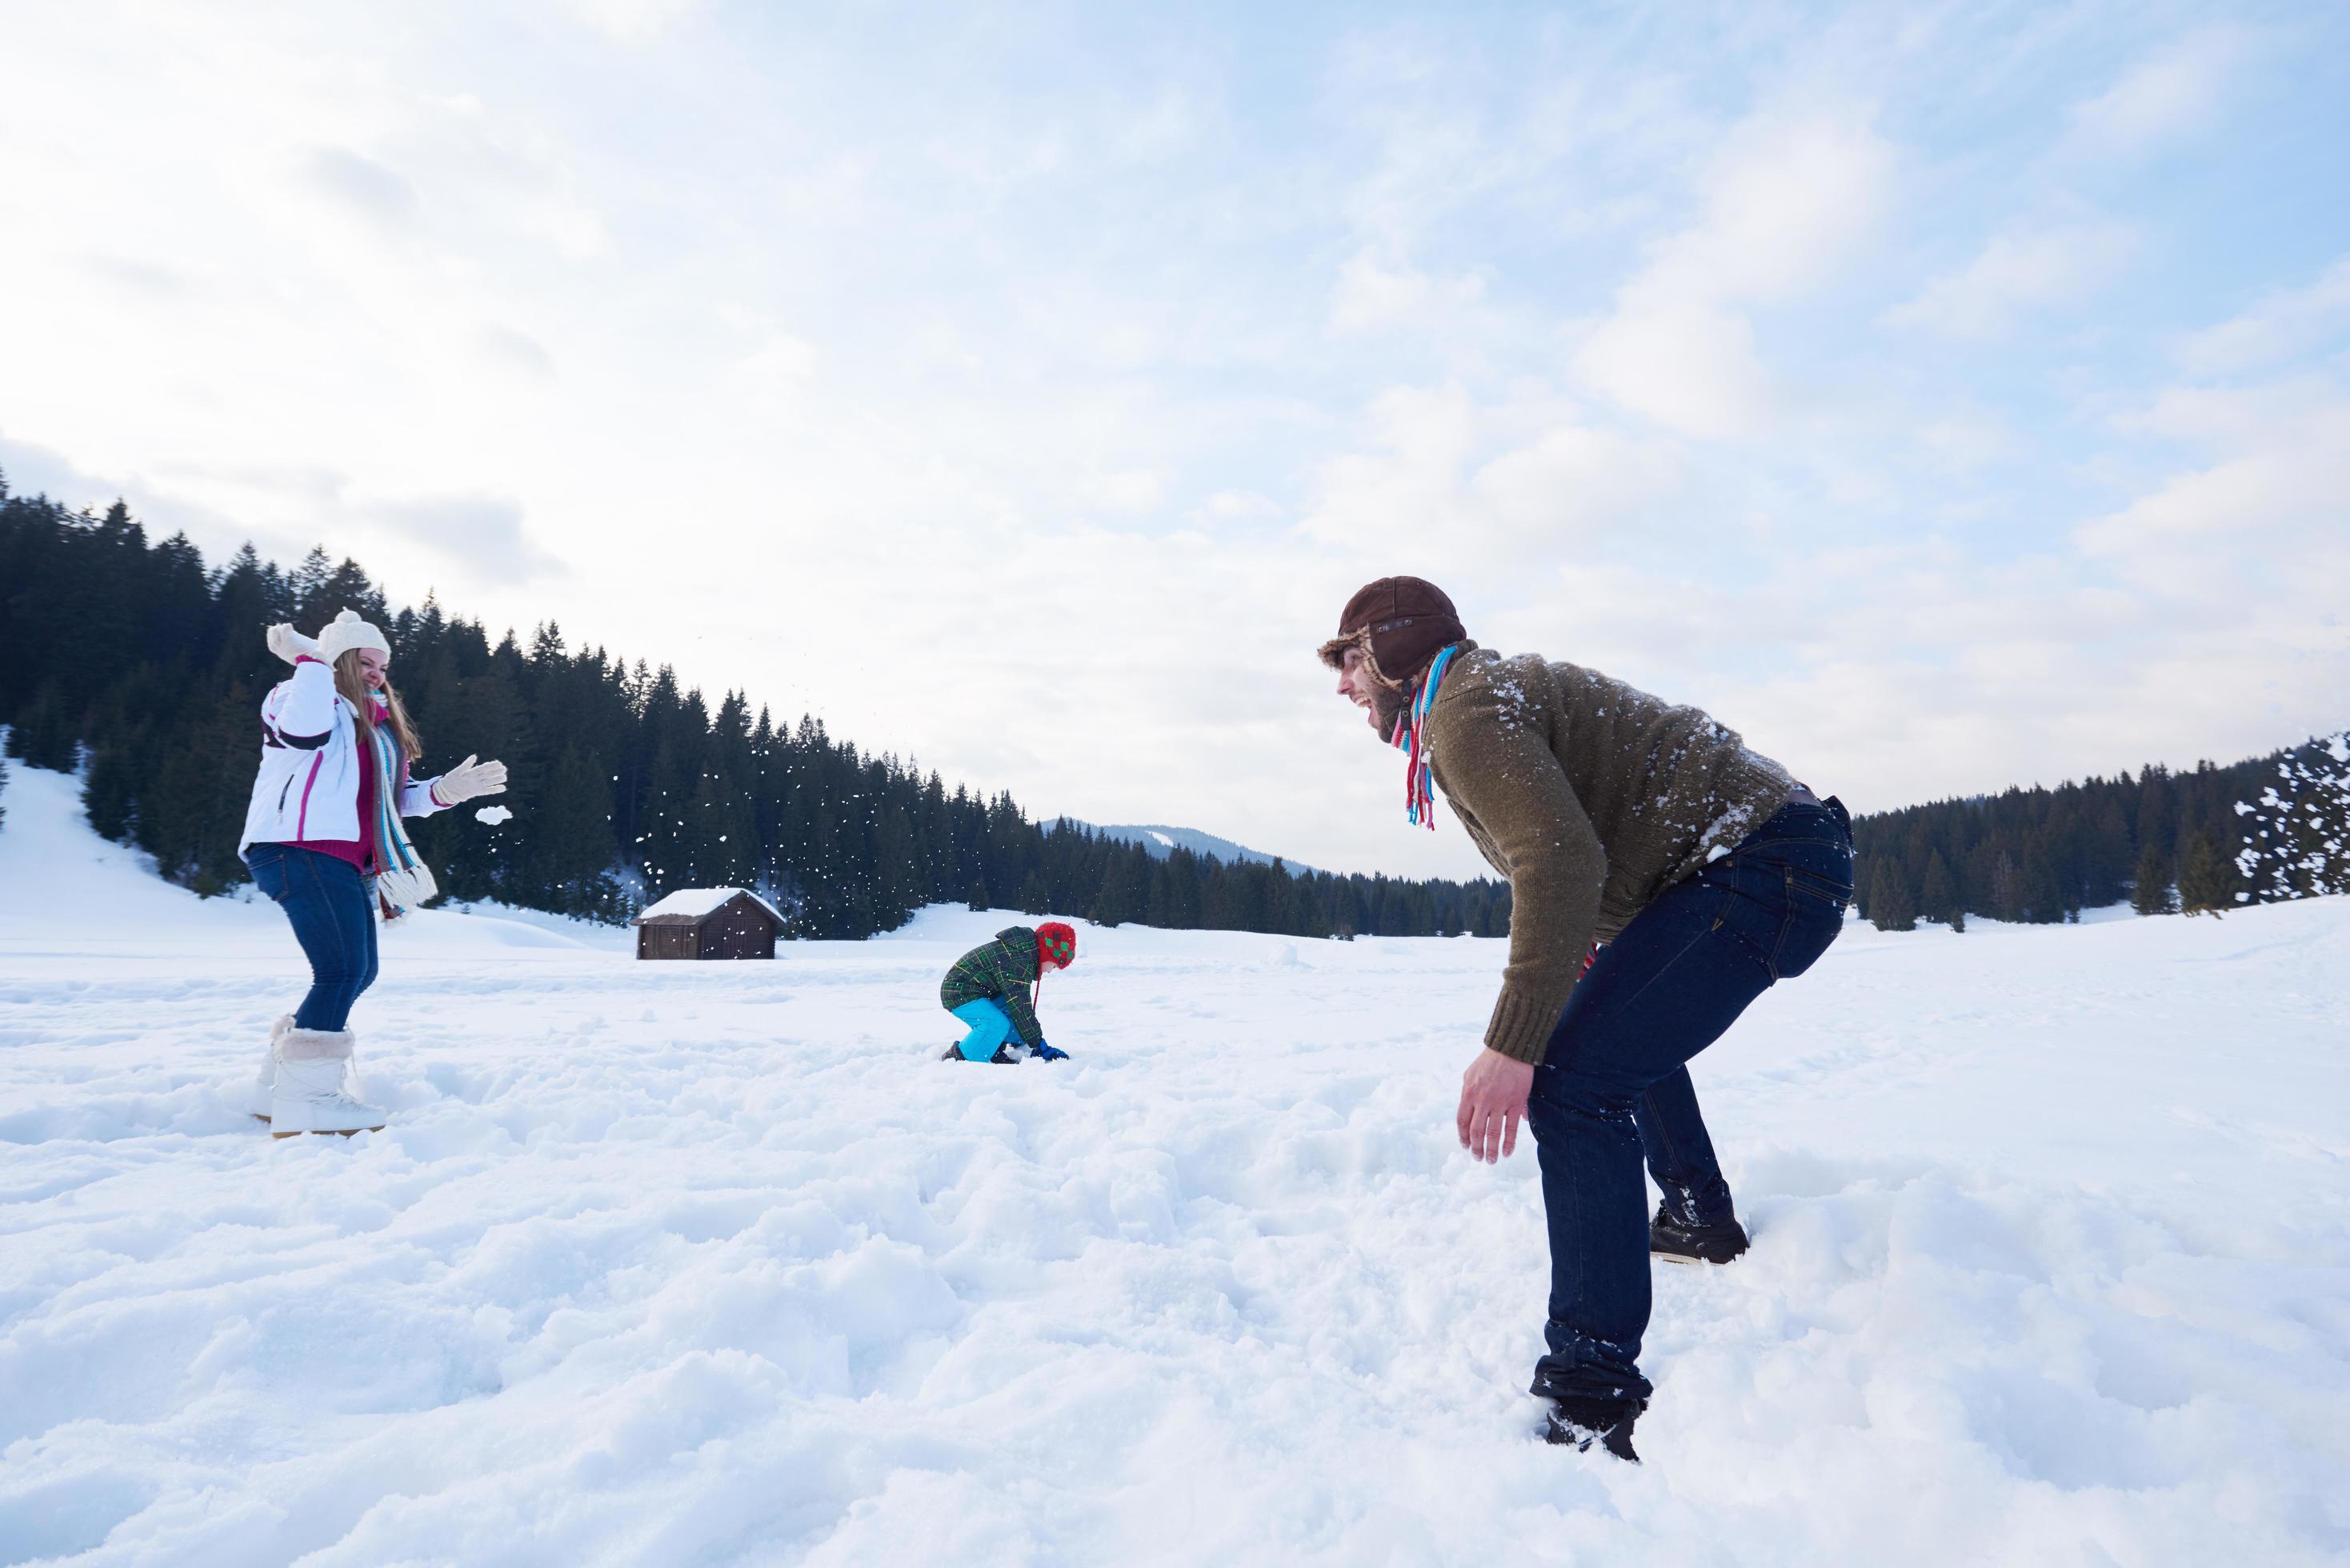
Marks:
<point>308,785</point>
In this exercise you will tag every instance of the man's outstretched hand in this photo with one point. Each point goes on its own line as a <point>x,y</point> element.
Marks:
<point>1492,1101</point>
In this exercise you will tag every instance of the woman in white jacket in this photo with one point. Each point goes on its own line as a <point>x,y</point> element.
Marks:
<point>323,840</point>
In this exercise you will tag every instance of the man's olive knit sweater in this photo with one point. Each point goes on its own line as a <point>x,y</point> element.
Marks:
<point>1592,798</point>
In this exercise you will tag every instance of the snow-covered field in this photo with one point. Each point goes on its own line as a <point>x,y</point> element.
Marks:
<point>680,1264</point>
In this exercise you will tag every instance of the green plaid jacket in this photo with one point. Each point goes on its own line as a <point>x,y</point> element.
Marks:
<point>1000,972</point>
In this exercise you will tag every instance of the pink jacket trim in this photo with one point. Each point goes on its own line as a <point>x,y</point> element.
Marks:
<point>302,820</point>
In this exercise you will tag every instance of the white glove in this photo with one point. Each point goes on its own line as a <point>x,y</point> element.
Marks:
<point>290,644</point>
<point>468,779</point>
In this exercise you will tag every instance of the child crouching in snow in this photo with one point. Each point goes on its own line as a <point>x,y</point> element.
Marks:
<point>988,990</point>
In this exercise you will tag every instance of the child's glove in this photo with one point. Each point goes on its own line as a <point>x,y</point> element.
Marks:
<point>1047,1054</point>
<point>290,644</point>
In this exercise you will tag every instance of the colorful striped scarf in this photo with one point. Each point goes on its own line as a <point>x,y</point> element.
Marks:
<point>1418,782</point>
<point>402,880</point>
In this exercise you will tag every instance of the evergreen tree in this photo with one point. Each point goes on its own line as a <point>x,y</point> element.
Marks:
<point>1977,877</point>
<point>1121,895</point>
<point>110,794</point>
<point>2207,885</point>
<point>191,817</point>
<point>717,837</point>
<point>2042,894</point>
<point>567,851</point>
<point>1938,898</point>
<point>2106,859</point>
<point>2150,893</point>
<point>44,735</point>
<point>1892,908</point>
<point>2007,886</point>
<point>2296,841</point>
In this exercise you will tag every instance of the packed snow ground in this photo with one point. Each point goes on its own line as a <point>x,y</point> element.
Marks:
<point>678,1263</point>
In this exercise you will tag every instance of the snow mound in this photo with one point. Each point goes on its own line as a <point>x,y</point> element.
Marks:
<point>715,1263</point>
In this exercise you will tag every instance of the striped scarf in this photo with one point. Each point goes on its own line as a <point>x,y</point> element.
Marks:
<point>1418,782</point>
<point>402,880</point>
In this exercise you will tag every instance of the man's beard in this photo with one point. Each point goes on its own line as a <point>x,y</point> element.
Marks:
<point>1387,711</point>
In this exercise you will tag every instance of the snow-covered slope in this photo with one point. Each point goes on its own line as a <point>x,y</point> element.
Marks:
<point>711,1262</point>
<point>66,890</point>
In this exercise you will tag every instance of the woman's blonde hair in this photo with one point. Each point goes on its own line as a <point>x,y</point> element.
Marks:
<point>351,680</point>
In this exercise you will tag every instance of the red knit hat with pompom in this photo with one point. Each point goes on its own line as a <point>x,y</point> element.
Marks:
<point>1056,943</point>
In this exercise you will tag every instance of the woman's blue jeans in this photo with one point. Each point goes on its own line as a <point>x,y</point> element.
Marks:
<point>1615,1079</point>
<point>332,909</point>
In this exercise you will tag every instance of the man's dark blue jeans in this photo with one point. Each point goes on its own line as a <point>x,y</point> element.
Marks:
<point>1615,1077</point>
<point>332,908</point>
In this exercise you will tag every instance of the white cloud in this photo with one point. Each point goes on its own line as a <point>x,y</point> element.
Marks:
<point>2178,91</point>
<point>780,369</point>
<point>481,536</point>
<point>1966,440</point>
<point>514,347</point>
<point>2286,324</point>
<point>1789,201</point>
<point>1238,505</point>
<point>1407,491</point>
<point>2279,472</point>
<point>1570,481</point>
<point>1167,128</point>
<point>366,184</point>
<point>630,21</point>
<point>1131,491</point>
<point>1487,499</point>
<point>1687,365</point>
<point>1370,296</point>
<point>2016,273</point>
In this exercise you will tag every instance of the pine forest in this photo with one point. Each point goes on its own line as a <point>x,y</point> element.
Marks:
<point>140,664</point>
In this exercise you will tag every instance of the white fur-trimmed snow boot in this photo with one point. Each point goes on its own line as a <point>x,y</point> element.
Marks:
<point>310,1095</point>
<point>265,1083</point>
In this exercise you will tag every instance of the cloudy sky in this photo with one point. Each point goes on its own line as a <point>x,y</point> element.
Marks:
<point>1945,395</point>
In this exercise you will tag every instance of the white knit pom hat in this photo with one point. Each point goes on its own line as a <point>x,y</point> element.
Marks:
<point>348,631</point>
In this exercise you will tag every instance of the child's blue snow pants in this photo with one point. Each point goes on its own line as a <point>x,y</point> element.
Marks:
<point>991,1027</point>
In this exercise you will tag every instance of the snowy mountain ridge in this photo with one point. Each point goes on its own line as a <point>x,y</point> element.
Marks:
<point>1163,840</point>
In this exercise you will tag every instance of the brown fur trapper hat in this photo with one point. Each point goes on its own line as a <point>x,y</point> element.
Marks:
<point>1401,622</point>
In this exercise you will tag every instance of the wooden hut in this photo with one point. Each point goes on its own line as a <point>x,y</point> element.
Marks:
<point>709,923</point>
